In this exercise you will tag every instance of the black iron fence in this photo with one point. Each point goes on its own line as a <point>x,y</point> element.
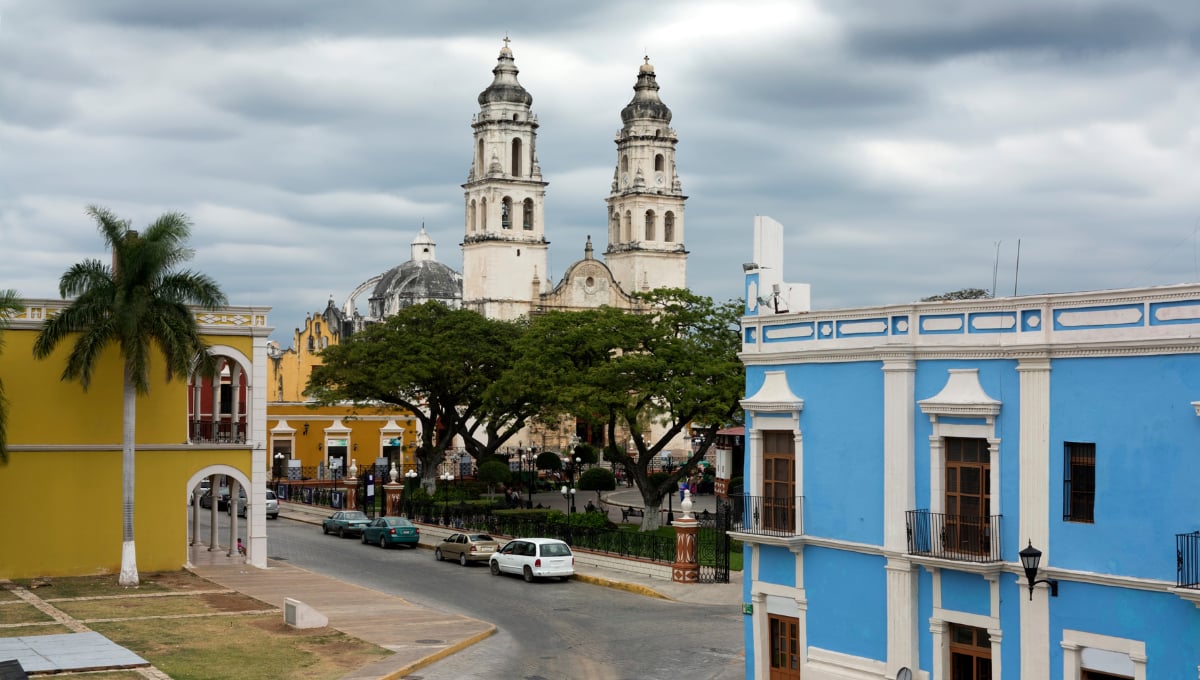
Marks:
<point>645,545</point>
<point>964,538</point>
<point>219,431</point>
<point>1187,560</point>
<point>768,515</point>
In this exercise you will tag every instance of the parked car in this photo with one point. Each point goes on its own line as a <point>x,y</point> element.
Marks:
<point>466,548</point>
<point>345,523</point>
<point>222,499</point>
<point>534,558</point>
<point>271,501</point>
<point>389,531</point>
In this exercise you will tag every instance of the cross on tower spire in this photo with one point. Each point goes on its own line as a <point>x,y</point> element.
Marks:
<point>506,40</point>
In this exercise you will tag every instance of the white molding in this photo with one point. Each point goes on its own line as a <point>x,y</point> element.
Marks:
<point>825,663</point>
<point>990,351</point>
<point>961,396</point>
<point>1033,450</point>
<point>1075,641</point>
<point>1187,594</point>
<point>774,396</point>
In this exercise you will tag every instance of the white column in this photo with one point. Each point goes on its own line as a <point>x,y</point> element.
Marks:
<point>940,651</point>
<point>753,486</point>
<point>235,378</point>
<point>995,635</point>
<point>256,436</point>
<point>762,648</point>
<point>1034,500</point>
<point>899,496</point>
<point>215,493</point>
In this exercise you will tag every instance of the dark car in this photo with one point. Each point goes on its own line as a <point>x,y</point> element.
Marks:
<point>389,531</point>
<point>345,523</point>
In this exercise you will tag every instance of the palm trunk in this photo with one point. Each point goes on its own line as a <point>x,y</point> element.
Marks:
<point>129,573</point>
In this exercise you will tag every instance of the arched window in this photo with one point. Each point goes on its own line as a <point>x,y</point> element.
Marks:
<point>669,227</point>
<point>506,213</point>
<point>516,157</point>
<point>471,216</point>
<point>649,225</point>
<point>527,214</point>
<point>310,343</point>
<point>480,170</point>
<point>317,328</point>
<point>628,235</point>
<point>483,221</point>
<point>614,229</point>
<point>659,163</point>
<point>624,164</point>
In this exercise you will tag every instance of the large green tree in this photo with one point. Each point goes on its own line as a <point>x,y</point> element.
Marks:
<point>9,304</point>
<point>142,304</point>
<point>673,366</point>
<point>438,363</point>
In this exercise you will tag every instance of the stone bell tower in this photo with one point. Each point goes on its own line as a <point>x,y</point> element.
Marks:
<point>645,204</point>
<point>504,245</point>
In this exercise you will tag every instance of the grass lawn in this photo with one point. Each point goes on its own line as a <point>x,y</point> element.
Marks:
<point>217,637</point>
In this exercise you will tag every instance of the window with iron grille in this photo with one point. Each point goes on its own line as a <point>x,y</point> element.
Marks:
<point>1079,482</point>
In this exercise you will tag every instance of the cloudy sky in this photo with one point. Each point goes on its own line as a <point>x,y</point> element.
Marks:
<point>906,146</point>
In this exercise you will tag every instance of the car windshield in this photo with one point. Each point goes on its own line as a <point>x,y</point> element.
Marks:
<point>398,522</point>
<point>555,550</point>
<point>354,515</point>
<point>480,537</point>
<point>270,495</point>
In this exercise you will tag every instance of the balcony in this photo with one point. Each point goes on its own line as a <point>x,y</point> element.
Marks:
<point>217,431</point>
<point>1187,560</point>
<point>768,516</point>
<point>961,538</point>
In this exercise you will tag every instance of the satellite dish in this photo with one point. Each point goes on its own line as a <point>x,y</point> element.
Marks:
<point>904,674</point>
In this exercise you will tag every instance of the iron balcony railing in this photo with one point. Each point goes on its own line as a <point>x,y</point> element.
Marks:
<point>768,515</point>
<point>964,538</point>
<point>1187,560</point>
<point>220,431</point>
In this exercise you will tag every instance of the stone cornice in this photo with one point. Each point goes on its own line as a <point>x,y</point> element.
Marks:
<point>919,353</point>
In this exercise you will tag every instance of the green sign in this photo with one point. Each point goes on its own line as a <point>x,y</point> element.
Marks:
<point>747,608</point>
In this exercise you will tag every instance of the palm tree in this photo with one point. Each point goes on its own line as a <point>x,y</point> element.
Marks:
<point>137,303</point>
<point>9,304</point>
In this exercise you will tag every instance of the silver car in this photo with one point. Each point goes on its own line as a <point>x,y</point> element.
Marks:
<point>272,505</point>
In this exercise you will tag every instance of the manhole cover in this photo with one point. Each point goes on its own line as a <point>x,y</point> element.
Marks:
<point>431,642</point>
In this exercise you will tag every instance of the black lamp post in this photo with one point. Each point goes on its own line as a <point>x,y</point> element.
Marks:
<point>568,492</point>
<point>529,479</point>
<point>670,465</point>
<point>278,466</point>
<point>1031,557</point>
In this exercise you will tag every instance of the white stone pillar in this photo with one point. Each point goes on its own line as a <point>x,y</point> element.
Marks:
<point>899,496</point>
<point>1034,501</point>
<point>214,490</point>
<point>234,488</point>
<point>235,378</point>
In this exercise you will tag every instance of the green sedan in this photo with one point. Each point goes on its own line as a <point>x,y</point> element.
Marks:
<point>389,531</point>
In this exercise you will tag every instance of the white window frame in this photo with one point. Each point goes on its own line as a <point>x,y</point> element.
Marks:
<point>1075,641</point>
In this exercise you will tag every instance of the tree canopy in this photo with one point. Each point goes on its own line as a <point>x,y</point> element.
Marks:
<point>964,294</point>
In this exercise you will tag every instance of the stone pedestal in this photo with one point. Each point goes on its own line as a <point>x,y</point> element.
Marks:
<point>350,487</point>
<point>686,568</point>
<point>393,494</point>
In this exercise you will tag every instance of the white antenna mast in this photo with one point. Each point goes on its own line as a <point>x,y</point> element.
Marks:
<point>995,267</point>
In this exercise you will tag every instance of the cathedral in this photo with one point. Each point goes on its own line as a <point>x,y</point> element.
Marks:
<point>505,248</point>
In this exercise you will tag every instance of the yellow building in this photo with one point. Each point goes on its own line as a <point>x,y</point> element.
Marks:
<point>60,493</point>
<point>308,441</point>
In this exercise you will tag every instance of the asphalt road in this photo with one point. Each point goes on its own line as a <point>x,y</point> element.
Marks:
<point>546,631</point>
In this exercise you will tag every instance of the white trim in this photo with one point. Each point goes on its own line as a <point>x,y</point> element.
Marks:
<point>961,396</point>
<point>824,663</point>
<point>1075,641</point>
<point>1034,500</point>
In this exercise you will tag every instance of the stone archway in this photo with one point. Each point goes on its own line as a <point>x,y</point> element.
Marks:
<point>256,543</point>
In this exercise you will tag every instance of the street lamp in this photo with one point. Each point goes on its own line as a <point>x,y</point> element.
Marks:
<point>530,478</point>
<point>670,465</point>
<point>1031,557</point>
<point>570,464</point>
<point>446,477</point>
<point>278,466</point>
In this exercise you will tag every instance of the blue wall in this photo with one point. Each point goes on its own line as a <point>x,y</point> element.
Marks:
<point>966,592</point>
<point>842,422</point>
<point>1146,434</point>
<point>847,602</point>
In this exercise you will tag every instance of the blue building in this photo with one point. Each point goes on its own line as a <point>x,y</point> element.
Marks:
<point>900,458</point>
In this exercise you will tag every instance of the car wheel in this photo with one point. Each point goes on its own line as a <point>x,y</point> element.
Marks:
<point>462,559</point>
<point>342,532</point>
<point>495,567</point>
<point>528,575</point>
<point>272,516</point>
<point>383,542</point>
<point>364,538</point>
<point>324,529</point>
<point>437,554</point>
<point>564,579</point>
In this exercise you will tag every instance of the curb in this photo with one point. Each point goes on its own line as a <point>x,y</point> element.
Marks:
<point>635,588</point>
<point>438,656</point>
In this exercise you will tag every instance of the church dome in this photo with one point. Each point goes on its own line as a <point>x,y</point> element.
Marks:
<point>505,88</point>
<point>646,103</point>
<point>415,282</point>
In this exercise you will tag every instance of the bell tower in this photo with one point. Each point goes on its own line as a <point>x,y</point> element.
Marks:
<point>504,245</point>
<point>645,204</point>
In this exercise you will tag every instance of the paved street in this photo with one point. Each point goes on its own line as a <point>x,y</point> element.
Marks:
<point>542,628</point>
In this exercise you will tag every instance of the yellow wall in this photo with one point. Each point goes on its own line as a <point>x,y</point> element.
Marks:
<point>62,510</point>
<point>287,372</point>
<point>364,424</point>
<point>60,493</point>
